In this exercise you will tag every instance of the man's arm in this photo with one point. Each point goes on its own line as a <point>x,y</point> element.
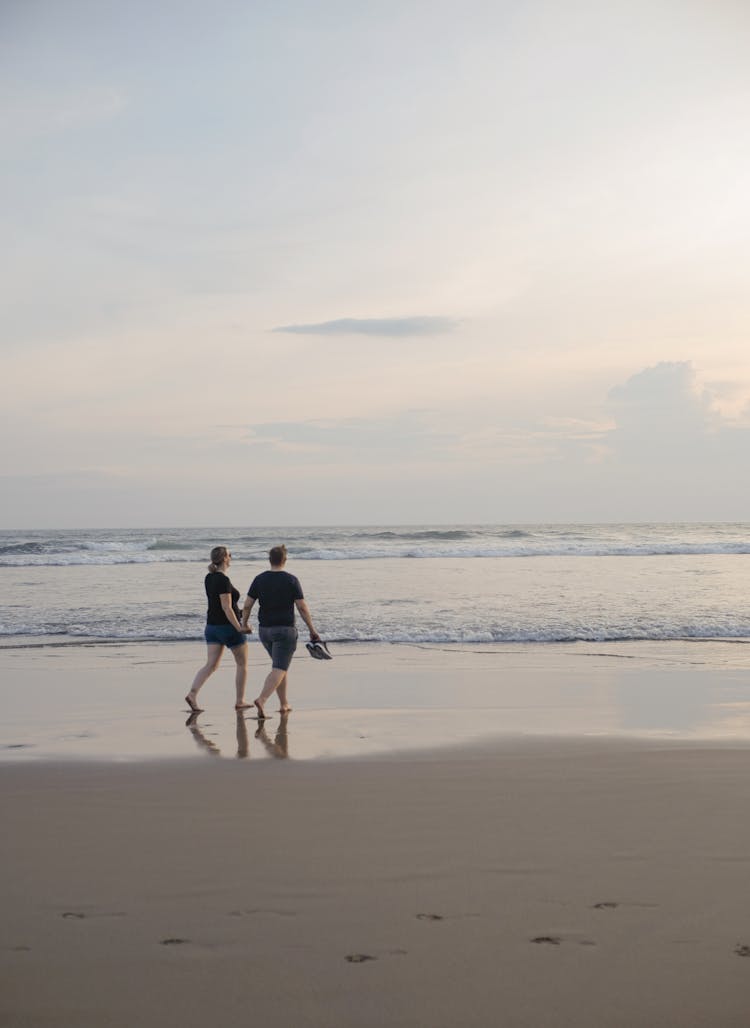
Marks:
<point>247,606</point>
<point>307,618</point>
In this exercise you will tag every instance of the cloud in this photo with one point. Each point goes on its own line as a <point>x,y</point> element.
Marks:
<point>415,326</point>
<point>672,455</point>
<point>662,391</point>
<point>661,409</point>
<point>404,437</point>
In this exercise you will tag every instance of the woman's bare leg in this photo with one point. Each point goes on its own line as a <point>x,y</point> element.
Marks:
<point>214,652</point>
<point>240,677</point>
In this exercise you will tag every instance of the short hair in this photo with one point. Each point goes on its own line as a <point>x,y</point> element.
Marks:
<point>277,555</point>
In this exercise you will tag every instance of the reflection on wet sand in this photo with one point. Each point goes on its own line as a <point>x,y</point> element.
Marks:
<point>277,747</point>
<point>243,740</point>
<point>199,735</point>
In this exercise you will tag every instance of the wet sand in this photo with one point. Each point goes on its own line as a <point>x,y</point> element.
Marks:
<point>125,702</point>
<point>518,879</point>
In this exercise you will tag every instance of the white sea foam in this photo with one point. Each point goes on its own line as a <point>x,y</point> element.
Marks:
<point>113,553</point>
<point>135,631</point>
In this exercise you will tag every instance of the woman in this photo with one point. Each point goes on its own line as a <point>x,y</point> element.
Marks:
<point>223,628</point>
<point>279,593</point>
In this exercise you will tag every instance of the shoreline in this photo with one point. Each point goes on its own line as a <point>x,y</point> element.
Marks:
<point>32,642</point>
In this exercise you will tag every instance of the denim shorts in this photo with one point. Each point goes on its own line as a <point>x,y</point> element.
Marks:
<point>280,642</point>
<point>224,635</point>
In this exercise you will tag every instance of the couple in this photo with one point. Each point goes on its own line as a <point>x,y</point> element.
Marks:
<point>278,593</point>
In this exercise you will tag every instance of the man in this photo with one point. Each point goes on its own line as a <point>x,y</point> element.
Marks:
<point>278,593</point>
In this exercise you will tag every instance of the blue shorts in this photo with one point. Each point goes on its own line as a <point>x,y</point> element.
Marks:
<point>224,635</point>
<point>280,643</point>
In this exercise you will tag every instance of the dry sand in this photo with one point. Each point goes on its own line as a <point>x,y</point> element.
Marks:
<point>551,882</point>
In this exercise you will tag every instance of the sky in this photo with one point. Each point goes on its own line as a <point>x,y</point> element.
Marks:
<point>347,262</point>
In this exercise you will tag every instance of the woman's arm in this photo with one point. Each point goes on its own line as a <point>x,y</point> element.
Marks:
<point>226,606</point>
<point>307,618</point>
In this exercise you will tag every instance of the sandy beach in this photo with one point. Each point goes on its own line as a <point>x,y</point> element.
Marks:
<point>524,879</point>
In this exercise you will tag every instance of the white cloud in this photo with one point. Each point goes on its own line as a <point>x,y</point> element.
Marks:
<point>660,410</point>
<point>411,326</point>
<point>407,437</point>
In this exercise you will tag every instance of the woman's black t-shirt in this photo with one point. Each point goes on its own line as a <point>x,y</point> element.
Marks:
<point>217,584</point>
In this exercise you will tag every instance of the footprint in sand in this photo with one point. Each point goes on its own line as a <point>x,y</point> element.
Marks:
<point>614,905</point>
<point>259,911</point>
<point>557,940</point>
<point>78,915</point>
<point>742,950</point>
<point>358,958</point>
<point>429,917</point>
<point>173,942</point>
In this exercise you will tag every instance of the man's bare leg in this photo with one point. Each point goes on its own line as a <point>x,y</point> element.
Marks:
<point>284,707</point>
<point>274,679</point>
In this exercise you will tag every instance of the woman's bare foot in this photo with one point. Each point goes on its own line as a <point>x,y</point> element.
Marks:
<point>286,710</point>
<point>190,700</point>
<point>242,706</point>
<point>261,711</point>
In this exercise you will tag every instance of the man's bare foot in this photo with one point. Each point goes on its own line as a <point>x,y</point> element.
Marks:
<point>190,700</point>
<point>285,710</point>
<point>242,706</point>
<point>261,711</point>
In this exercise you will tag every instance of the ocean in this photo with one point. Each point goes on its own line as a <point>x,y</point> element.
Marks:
<point>448,584</point>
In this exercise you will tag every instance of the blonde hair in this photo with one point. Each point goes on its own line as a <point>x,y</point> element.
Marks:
<point>219,555</point>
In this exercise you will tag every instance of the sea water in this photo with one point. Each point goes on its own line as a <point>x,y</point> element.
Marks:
<point>456,584</point>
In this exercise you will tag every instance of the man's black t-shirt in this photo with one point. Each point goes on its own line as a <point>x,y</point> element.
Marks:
<point>276,591</point>
<point>217,584</point>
